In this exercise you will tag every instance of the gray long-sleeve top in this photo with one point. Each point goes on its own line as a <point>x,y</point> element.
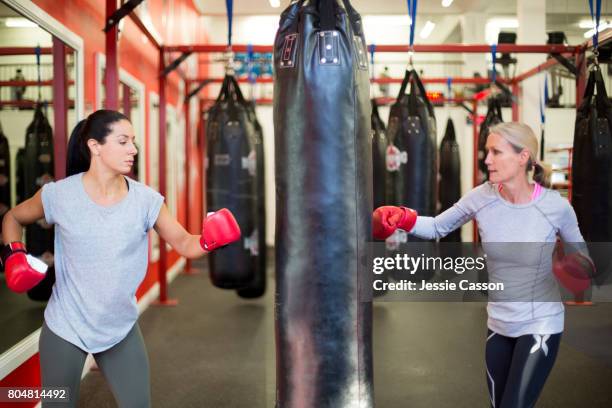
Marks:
<point>518,240</point>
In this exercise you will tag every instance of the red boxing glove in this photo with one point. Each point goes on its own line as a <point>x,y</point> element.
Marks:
<point>387,219</point>
<point>219,229</point>
<point>573,271</point>
<point>22,270</point>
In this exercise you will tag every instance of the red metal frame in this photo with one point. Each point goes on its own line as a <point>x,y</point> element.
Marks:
<point>24,51</point>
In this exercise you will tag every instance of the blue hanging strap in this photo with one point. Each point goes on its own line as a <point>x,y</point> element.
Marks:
<point>595,16</point>
<point>449,84</point>
<point>412,7</point>
<point>543,100</point>
<point>494,58</point>
<point>229,4</point>
<point>372,51</point>
<point>250,65</point>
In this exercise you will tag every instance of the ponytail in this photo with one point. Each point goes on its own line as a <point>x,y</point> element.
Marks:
<point>542,174</point>
<point>97,126</point>
<point>78,158</point>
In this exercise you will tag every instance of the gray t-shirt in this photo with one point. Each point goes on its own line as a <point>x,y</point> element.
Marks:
<point>524,262</point>
<point>101,256</point>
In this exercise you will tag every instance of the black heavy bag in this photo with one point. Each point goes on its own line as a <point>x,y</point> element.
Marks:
<point>412,154</point>
<point>450,176</point>
<point>231,183</point>
<point>379,163</point>
<point>257,287</point>
<point>38,171</point>
<point>323,160</point>
<point>592,168</point>
<point>493,117</point>
<point>5,176</point>
<point>19,175</point>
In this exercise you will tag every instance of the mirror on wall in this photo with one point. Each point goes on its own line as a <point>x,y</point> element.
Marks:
<point>28,112</point>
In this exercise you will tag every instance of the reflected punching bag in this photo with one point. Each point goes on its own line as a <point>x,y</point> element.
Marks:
<point>379,163</point>
<point>450,176</point>
<point>5,176</point>
<point>412,151</point>
<point>38,171</point>
<point>323,158</point>
<point>493,117</point>
<point>231,184</point>
<point>257,287</point>
<point>592,169</point>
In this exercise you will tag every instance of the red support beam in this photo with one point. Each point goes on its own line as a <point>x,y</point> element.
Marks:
<point>157,42</point>
<point>30,83</point>
<point>163,253</point>
<point>475,179</point>
<point>186,169</point>
<point>551,62</point>
<point>581,78</point>
<point>111,76</point>
<point>458,80</point>
<point>60,108</point>
<point>23,51</point>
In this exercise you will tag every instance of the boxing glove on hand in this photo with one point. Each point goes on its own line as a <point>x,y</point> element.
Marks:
<point>573,271</point>
<point>388,218</point>
<point>219,229</point>
<point>22,270</point>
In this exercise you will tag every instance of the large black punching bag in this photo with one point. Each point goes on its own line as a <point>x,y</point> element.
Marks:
<point>379,162</point>
<point>257,286</point>
<point>450,176</point>
<point>323,157</point>
<point>231,183</point>
<point>38,171</point>
<point>412,152</point>
<point>592,162</point>
<point>493,117</point>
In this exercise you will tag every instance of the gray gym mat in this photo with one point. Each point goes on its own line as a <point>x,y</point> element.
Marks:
<point>217,350</point>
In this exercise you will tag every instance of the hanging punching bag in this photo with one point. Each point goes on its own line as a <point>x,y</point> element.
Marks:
<point>493,117</point>
<point>323,161</point>
<point>38,171</point>
<point>19,175</point>
<point>379,164</point>
<point>412,155</point>
<point>450,176</point>
<point>257,287</point>
<point>592,167</point>
<point>5,176</point>
<point>231,184</point>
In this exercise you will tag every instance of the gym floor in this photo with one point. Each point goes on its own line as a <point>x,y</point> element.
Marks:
<point>217,350</point>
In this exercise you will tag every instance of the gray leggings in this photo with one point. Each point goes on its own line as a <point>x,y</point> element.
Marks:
<point>125,367</point>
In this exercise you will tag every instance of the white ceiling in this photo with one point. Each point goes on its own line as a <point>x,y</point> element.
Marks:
<point>254,7</point>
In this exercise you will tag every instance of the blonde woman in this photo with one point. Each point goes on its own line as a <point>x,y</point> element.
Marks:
<point>523,333</point>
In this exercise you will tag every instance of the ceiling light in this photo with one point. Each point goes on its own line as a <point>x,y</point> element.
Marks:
<point>19,22</point>
<point>275,3</point>
<point>427,29</point>
<point>602,26</point>
<point>447,3</point>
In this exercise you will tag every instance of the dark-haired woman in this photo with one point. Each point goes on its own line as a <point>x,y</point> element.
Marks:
<point>101,222</point>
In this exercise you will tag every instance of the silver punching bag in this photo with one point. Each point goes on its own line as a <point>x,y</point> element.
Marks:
<point>323,207</point>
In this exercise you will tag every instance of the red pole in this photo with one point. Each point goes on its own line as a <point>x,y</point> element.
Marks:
<point>163,254</point>
<point>111,77</point>
<point>126,102</point>
<point>187,170</point>
<point>60,108</point>
<point>475,179</point>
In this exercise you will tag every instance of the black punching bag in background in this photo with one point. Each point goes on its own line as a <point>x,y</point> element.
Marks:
<point>493,117</point>
<point>412,151</point>
<point>323,154</point>
<point>450,176</point>
<point>19,175</point>
<point>5,176</point>
<point>257,286</point>
<point>379,163</point>
<point>39,170</point>
<point>592,168</point>
<point>231,183</point>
